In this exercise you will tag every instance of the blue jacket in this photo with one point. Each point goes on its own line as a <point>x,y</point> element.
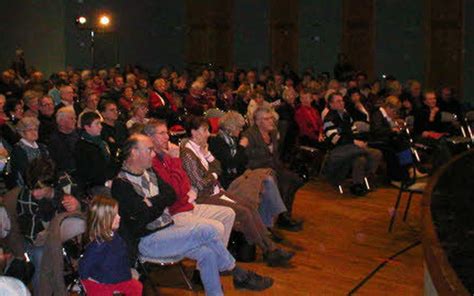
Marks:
<point>106,262</point>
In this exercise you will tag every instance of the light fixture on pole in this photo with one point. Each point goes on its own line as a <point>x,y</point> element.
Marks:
<point>103,21</point>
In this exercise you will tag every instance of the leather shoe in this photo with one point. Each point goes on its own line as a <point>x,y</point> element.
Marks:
<point>253,281</point>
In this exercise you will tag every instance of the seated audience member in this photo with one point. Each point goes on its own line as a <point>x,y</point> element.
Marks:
<point>430,130</point>
<point>147,226</point>
<point>104,268</point>
<point>386,135</point>
<point>258,100</point>
<point>258,184</point>
<point>139,113</point>
<point>428,122</point>
<point>46,118</point>
<point>167,165</point>
<point>31,98</point>
<point>92,102</point>
<point>116,90</point>
<point>14,111</point>
<point>449,103</point>
<point>242,100</point>
<point>287,126</point>
<point>347,153</point>
<point>203,171</point>
<point>161,101</point>
<point>195,102</point>
<point>354,106</point>
<point>310,125</point>
<point>26,149</point>
<point>126,101</point>
<point>114,132</point>
<point>225,98</point>
<point>143,90</point>
<point>413,94</point>
<point>98,85</point>
<point>67,98</point>
<point>263,152</point>
<point>39,200</point>
<point>94,164</point>
<point>62,143</point>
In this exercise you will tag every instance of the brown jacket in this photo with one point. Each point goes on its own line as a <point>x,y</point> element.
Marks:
<point>250,185</point>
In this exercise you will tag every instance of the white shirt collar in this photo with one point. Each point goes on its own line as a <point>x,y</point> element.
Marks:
<point>34,145</point>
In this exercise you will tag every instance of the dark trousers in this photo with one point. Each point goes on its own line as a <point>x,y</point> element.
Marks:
<point>288,184</point>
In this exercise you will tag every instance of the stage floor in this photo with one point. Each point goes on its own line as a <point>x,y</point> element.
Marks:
<point>343,240</point>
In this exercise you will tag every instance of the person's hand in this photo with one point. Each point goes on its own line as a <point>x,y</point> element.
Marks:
<point>244,142</point>
<point>360,144</point>
<point>173,150</point>
<point>205,149</point>
<point>70,203</point>
<point>321,137</point>
<point>433,112</point>
<point>3,152</point>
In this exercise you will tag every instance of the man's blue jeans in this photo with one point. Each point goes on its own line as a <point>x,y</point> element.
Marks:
<point>200,242</point>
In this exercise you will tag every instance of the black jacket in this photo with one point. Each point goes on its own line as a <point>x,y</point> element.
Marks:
<point>92,167</point>
<point>380,129</point>
<point>338,128</point>
<point>232,166</point>
<point>62,148</point>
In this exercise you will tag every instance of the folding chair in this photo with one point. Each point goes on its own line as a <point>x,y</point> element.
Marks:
<point>409,185</point>
<point>176,261</point>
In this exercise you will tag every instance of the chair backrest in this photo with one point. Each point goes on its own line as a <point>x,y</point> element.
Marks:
<point>470,116</point>
<point>448,117</point>
<point>361,126</point>
<point>410,122</point>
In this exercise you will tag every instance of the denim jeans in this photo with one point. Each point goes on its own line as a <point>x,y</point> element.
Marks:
<point>200,242</point>
<point>35,254</point>
<point>271,204</point>
<point>222,218</point>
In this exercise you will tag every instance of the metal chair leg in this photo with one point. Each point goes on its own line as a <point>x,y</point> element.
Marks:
<point>323,164</point>
<point>148,277</point>
<point>341,191</point>
<point>367,185</point>
<point>405,215</point>
<point>397,203</point>
<point>185,277</point>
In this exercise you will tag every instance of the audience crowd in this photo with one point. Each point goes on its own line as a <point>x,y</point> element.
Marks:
<point>173,165</point>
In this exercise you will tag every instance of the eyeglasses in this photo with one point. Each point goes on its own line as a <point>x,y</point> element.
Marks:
<point>40,184</point>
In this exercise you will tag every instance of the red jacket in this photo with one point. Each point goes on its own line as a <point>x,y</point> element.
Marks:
<point>309,122</point>
<point>156,102</point>
<point>171,171</point>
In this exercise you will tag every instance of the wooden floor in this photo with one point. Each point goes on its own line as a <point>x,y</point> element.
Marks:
<point>343,240</point>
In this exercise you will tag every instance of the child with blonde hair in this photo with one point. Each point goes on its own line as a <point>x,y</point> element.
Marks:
<point>104,269</point>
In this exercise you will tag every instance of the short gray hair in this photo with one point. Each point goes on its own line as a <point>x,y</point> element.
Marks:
<point>231,120</point>
<point>150,127</point>
<point>27,123</point>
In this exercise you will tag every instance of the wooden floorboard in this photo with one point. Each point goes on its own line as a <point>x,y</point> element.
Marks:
<point>343,240</point>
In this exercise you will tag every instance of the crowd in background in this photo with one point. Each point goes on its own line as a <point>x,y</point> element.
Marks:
<point>67,137</point>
